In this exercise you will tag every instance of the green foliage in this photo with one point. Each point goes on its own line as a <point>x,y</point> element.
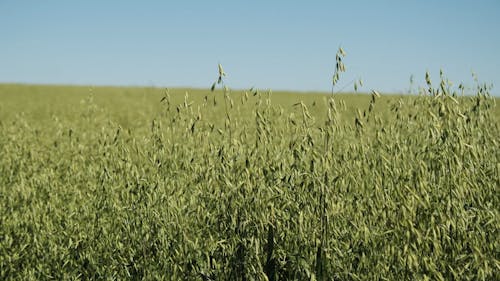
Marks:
<point>111,183</point>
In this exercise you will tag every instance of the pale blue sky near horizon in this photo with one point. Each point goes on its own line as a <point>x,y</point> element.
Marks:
<point>278,45</point>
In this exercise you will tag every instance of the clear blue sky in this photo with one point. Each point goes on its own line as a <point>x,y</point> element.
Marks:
<point>264,44</point>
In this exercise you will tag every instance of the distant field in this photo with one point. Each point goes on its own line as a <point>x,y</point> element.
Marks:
<point>189,184</point>
<point>134,104</point>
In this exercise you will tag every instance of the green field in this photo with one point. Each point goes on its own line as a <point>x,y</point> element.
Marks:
<point>133,183</point>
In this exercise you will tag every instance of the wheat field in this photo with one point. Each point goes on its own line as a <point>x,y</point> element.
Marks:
<point>111,183</point>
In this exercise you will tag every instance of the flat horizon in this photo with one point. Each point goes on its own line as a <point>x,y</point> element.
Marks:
<point>266,45</point>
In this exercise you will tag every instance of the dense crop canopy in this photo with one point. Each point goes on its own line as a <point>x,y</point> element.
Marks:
<point>247,185</point>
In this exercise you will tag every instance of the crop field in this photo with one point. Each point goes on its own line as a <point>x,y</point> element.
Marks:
<point>109,183</point>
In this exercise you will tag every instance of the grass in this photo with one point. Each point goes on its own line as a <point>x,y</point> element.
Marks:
<point>111,183</point>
